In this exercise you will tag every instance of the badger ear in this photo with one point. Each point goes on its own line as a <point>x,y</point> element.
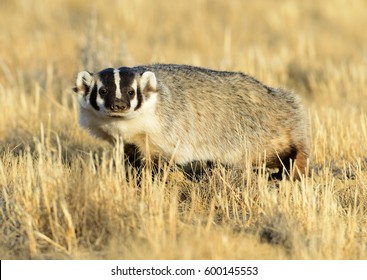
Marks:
<point>148,82</point>
<point>83,82</point>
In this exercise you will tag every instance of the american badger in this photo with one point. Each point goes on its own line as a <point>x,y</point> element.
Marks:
<point>186,114</point>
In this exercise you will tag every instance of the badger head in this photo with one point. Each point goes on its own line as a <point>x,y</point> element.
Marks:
<point>115,93</point>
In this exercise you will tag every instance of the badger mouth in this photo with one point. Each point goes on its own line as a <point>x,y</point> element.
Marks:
<point>115,115</point>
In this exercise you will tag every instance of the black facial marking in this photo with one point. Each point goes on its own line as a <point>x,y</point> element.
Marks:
<point>93,98</point>
<point>108,89</point>
<point>127,77</point>
<point>107,78</point>
<point>139,96</point>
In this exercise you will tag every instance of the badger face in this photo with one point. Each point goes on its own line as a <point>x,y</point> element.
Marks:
<point>115,93</point>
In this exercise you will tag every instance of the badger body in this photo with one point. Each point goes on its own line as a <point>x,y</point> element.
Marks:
<point>185,113</point>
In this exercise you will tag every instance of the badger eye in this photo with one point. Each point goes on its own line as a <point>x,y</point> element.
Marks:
<point>102,92</point>
<point>131,93</point>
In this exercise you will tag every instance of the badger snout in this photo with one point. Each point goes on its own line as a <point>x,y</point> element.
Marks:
<point>118,106</point>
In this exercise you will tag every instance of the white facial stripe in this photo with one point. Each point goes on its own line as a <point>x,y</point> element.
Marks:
<point>134,101</point>
<point>99,99</point>
<point>134,85</point>
<point>116,74</point>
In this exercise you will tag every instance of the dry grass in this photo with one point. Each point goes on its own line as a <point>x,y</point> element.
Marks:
<point>64,194</point>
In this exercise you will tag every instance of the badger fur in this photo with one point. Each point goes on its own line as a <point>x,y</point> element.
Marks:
<point>185,113</point>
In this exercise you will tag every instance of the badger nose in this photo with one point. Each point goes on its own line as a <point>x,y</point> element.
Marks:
<point>118,105</point>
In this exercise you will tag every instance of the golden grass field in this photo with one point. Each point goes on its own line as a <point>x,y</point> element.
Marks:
<point>64,195</point>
